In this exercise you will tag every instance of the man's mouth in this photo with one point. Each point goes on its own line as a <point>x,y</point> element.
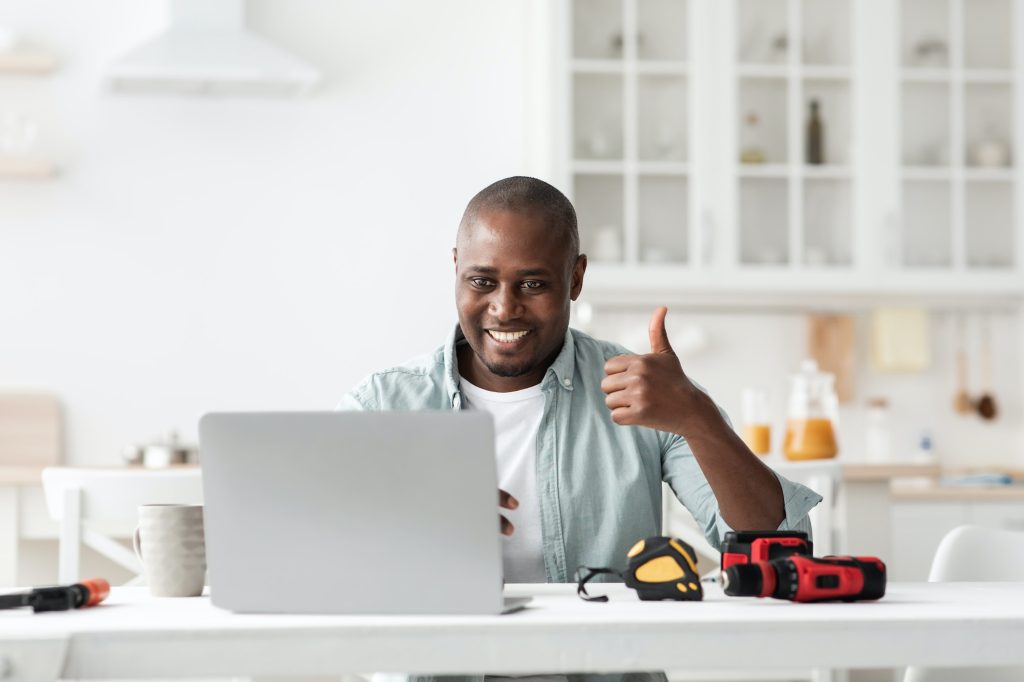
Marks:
<point>507,337</point>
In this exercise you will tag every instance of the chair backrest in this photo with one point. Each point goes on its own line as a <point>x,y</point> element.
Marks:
<point>111,497</point>
<point>977,554</point>
<point>30,429</point>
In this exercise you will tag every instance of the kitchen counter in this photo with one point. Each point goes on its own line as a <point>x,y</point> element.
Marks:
<point>878,472</point>
<point>20,475</point>
<point>957,493</point>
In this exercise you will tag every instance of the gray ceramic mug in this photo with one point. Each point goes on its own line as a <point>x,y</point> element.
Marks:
<point>171,544</point>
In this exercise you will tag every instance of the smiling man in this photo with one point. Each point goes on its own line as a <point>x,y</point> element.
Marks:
<point>586,431</point>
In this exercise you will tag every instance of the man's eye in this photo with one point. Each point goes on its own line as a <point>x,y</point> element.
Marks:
<point>533,284</point>
<point>480,282</point>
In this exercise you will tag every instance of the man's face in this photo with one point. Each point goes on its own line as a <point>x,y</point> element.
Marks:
<point>513,287</point>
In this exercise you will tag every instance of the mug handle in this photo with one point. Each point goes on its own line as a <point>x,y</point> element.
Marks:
<point>137,542</point>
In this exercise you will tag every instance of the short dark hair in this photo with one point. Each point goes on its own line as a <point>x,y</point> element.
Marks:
<point>523,194</point>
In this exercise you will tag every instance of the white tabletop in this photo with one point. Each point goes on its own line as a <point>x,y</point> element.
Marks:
<point>135,635</point>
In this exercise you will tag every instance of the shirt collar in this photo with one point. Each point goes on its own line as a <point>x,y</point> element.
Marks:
<point>562,369</point>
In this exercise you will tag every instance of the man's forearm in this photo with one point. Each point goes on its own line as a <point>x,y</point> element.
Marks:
<point>748,493</point>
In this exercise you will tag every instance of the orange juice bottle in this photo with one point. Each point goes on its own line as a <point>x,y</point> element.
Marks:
<point>809,439</point>
<point>813,412</point>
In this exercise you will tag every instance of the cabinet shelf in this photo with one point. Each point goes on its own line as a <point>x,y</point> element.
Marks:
<point>779,71</point>
<point>27,62</point>
<point>671,68</point>
<point>781,171</point>
<point>807,71</point>
<point>995,76</point>
<point>599,167</point>
<point>763,170</point>
<point>941,75</point>
<point>663,167</point>
<point>989,174</point>
<point>614,66</point>
<point>827,172</point>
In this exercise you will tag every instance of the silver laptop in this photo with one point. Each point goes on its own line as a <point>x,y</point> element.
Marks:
<point>352,512</point>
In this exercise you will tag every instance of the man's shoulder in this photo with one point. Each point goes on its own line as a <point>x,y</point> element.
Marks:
<point>417,383</point>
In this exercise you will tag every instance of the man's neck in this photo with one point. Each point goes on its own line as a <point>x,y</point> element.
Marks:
<point>475,372</point>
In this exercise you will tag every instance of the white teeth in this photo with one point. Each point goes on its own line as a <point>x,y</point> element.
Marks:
<point>507,337</point>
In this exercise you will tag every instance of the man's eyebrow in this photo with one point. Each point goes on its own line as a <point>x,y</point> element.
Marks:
<point>488,270</point>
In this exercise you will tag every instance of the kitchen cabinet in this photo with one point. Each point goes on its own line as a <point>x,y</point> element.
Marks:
<point>684,139</point>
<point>920,523</point>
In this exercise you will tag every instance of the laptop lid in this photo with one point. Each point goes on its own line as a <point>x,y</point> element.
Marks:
<point>351,512</point>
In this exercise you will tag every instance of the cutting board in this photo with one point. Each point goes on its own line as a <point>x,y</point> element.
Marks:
<point>30,429</point>
<point>831,341</point>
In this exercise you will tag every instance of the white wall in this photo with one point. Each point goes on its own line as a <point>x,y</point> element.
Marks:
<point>248,254</point>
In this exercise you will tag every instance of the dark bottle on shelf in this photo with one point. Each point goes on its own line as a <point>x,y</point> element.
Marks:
<point>815,136</point>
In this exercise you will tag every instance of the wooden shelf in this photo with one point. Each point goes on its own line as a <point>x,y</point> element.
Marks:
<point>27,63</point>
<point>26,169</point>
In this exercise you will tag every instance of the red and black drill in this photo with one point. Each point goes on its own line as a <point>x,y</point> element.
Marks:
<point>805,578</point>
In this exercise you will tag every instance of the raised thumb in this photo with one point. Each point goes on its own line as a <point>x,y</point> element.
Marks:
<point>659,337</point>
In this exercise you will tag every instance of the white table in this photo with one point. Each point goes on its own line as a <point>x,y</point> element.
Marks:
<point>137,636</point>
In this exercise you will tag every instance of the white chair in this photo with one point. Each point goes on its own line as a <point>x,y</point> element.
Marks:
<point>94,506</point>
<point>975,554</point>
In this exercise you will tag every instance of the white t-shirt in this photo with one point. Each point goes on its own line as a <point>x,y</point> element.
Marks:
<point>517,416</point>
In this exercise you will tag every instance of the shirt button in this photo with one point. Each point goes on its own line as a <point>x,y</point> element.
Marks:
<point>567,382</point>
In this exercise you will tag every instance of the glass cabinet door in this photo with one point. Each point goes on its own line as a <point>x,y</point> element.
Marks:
<point>958,129</point>
<point>630,122</point>
<point>794,89</point>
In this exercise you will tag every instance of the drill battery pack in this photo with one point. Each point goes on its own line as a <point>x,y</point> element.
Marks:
<point>745,547</point>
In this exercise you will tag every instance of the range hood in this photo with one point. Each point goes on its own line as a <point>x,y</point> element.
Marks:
<point>207,50</point>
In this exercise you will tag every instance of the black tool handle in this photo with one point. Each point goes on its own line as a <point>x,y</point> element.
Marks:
<point>15,601</point>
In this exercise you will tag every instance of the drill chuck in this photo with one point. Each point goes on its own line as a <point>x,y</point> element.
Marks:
<point>743,580</point>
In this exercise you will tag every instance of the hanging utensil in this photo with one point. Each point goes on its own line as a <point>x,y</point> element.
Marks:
<point>986,405</point>
<point>962,399</point>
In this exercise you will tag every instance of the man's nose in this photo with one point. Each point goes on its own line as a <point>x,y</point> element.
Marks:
<point>505,304</point>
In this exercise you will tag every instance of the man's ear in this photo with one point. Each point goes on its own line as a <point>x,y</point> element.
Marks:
<point>455,257</point>
<point>577,276</point>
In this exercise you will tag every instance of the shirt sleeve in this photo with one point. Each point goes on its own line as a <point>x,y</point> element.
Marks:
<point>681,471</point>
<point>359,399</point>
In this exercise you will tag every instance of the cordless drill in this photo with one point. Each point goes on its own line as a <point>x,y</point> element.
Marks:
<point>805,578</point>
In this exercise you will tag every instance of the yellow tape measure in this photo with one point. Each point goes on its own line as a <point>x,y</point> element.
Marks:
<point>657,568</point>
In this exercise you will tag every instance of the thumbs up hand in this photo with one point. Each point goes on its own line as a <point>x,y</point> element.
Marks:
<point>651,390</point>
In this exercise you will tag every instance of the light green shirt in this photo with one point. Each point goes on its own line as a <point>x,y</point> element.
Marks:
<point>598,483</point>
